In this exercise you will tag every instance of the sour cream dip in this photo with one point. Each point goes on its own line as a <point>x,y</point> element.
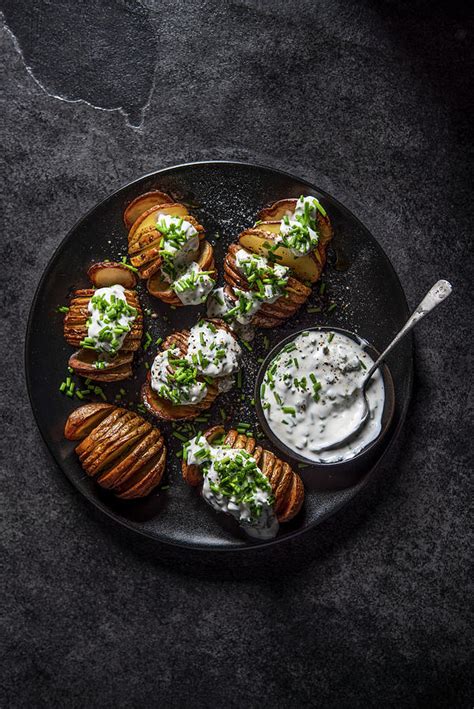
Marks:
<point>310,395</point>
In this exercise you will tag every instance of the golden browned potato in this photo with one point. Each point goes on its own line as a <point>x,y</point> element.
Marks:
<point>117,369</point>
<point>110,273</point>
<point>144,240</point>
<point>119,449</point>
<point>84,419</point>
<point>75,320</point>
<point>142,204</point>
<point>287,486</point>
<point>158,287</point>
<point>258,241</point>
<point>165,409</point>
<point>270,314</point>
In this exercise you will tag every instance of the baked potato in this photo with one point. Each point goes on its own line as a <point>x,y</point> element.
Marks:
<point>84,360</point>
<point>165,409</point>
<point>142,203</point>
<point>144,239</point>
<point>158,287</point>
<point>260,238</point>
<point>287,486</point>
<point>118,368</point>
<point>110,273</point>
<point>75,320</point>
<point>270,314</point>
<point>118,448</point>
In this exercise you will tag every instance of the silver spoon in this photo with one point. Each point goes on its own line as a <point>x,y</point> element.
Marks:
<point>434,297</point>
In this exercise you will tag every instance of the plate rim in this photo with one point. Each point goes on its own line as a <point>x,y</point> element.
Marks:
<point>98,504</point>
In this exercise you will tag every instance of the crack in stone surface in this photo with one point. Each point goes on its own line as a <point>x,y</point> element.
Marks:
<point>124,85</point>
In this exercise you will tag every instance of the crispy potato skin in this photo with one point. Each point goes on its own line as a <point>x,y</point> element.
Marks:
<point>142,204</point>
<point>144,240</point>
<point>84,419</point>
<point>118,448</point>
<point>159,288</point>
<point>304,270</point>
<point>75,320</point>
<point>110,273</point>
<point>164,409</point>
<point>270,314</point>
<point>75,325</point>
<point>82,362</point>
<point>287,486</point>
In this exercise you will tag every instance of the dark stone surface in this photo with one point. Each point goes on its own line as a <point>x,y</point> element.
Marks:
<point>370,100</point>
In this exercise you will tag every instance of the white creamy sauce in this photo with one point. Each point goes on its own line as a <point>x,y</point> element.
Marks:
<point>192,286</point>
<point>260,525</point>
<point>163,385</point>
<point>179,268</point>
<point>219,304</point>
<point>311,396</point>
<point>305,207</point>
<point>247,262</point>
<point>213,350</point>
<point>188,238</point>
<point>99,323</point>
<point>253,305</point>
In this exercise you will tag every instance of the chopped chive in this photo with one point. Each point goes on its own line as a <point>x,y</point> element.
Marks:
<point>159,341</point>
<point>239,379</point>
<point>247,345</point>
<point>63,386</point>
<point>315,309</point>
<point>179,436</point>
<point>62,309</point>
<point>331,337</point>
<point>332,307</point>
<point>322,288</point>
<point>289,410</point>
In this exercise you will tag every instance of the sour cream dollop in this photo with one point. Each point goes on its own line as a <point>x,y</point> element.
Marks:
<point>213,350</point>
<point>180,243</point>
<point>311,395</point>
<point>110,320</point>
<point>193,286</point>
<point>233,483</point>
<point>299,229</point>
<point>168,383</point>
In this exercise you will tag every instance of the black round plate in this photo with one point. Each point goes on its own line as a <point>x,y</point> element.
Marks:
<point>362,294</point>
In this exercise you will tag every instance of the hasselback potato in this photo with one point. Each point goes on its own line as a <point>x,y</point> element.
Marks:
<point>287,486</point>
<point>118,448</point>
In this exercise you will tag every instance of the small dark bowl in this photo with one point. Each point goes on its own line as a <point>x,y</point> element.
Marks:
<point>332,476</point>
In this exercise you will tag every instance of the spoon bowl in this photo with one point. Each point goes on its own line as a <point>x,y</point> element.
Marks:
<point>339,474</point>
<point>439,292</point>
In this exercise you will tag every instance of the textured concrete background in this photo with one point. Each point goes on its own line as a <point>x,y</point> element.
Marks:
<point>370,100</point>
